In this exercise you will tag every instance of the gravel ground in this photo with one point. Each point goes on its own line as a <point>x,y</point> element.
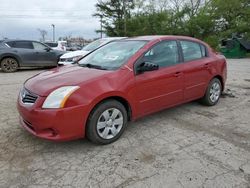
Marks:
<point>186,146</point>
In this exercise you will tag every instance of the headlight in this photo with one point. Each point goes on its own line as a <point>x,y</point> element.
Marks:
<point>58,97</point>
<point>76,58</point>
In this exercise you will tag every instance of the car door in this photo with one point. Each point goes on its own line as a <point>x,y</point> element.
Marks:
<point>197,69</point>
<point>44,56</point>
<point>161,88</point>
<point>23,49</point>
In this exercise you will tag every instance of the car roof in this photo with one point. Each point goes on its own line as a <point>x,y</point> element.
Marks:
<point>16,40</point>
<point>161,37</point>
<point>113,38</point>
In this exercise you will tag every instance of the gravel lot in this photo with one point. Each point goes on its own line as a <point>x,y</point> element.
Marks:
<point>187,146</point>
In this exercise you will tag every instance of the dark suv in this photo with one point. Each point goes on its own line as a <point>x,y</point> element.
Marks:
<point>23,53</point>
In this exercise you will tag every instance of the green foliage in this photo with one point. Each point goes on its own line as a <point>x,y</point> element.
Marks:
<point>209,20</point>
<point>113,14</point>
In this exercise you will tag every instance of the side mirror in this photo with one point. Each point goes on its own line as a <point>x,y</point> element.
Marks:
<point>147,66</point>
<point>47,49</point>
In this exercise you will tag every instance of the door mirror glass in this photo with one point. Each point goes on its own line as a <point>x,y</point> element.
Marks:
<point>147,66</point>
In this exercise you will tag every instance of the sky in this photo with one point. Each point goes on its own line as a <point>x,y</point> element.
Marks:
<point>21,19</point>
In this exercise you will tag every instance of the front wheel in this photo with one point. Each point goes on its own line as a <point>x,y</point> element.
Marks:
<point>213,93</point>
<point>9,65</point>
<point>107,122</point>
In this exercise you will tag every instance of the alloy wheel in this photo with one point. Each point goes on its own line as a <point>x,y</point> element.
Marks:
<point>9,65</point>
<point>215,92</point>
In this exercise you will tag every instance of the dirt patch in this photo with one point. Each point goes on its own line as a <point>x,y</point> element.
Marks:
<point>207,114</point>
<point>147,158</point>
<point>228,93</point>
<point>242,135</point>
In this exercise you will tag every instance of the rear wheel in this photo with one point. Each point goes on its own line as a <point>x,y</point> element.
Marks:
<point>107,122</point>
<point>9,65</point>
<point>213,93</point>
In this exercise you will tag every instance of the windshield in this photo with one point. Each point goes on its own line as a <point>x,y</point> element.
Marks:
<point>51,44</point>
<point>113,55</point>
<point>94,45</point>
<point>3,45</point>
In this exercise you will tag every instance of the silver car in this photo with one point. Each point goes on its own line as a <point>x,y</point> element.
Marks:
<point>72,57</point>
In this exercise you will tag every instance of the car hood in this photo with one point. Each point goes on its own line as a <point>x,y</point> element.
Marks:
<point>59,52</point>
<point>75,54</point>
<point>45,82</point>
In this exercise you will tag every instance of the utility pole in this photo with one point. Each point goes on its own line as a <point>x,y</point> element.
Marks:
<point>101,26</point>
<point>53,27</point>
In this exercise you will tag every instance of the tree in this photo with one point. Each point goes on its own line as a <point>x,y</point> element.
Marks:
<point>114,14</point>
<point>231,17</point>
<point>43,33</point>
<point>209,20</point>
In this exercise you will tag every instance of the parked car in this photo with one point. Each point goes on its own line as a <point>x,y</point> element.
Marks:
<point>73,47</point>
<point>122,81</point>
<point>15,54</point>
<point>59,45</point>
<point>73,57</point>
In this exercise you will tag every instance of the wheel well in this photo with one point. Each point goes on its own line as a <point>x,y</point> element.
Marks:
<point>221,81</point>
<point>9,57</point>
<point>123,101</point>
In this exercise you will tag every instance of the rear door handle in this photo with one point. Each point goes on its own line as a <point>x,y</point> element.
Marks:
<point>178,74</point>
<point>207,66</point>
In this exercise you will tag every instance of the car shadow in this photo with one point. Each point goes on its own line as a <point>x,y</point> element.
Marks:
<point>30,69</point>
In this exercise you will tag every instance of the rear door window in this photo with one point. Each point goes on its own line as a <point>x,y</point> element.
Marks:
<point>192,50</point>
<point>21,44</point>
<point>203,50</point>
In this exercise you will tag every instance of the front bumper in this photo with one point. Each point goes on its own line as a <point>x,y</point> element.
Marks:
<point>53,124</point>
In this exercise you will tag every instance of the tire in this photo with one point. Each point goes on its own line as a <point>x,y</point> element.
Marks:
<point>107,122</point>
<point>213,93</point>
<point>9,65</point>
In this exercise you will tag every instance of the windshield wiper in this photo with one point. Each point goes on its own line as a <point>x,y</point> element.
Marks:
<point>92,66</point>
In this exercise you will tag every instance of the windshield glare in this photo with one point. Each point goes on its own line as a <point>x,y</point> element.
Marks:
<point>94,45</point>
<point>113,55</point>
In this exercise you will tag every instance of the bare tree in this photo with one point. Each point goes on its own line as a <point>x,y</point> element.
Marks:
<point>43,34</point>
<point>177,5</point>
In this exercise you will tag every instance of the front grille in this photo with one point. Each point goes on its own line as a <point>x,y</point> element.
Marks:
<point>66,59</point>
<point>27,97</point>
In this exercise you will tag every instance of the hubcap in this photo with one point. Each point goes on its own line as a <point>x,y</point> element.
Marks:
<point>10,64</point>
<point>109,123</point>
<point>215,91</point>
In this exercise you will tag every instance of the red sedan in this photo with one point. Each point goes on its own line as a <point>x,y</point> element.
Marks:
<point>119,82</point>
